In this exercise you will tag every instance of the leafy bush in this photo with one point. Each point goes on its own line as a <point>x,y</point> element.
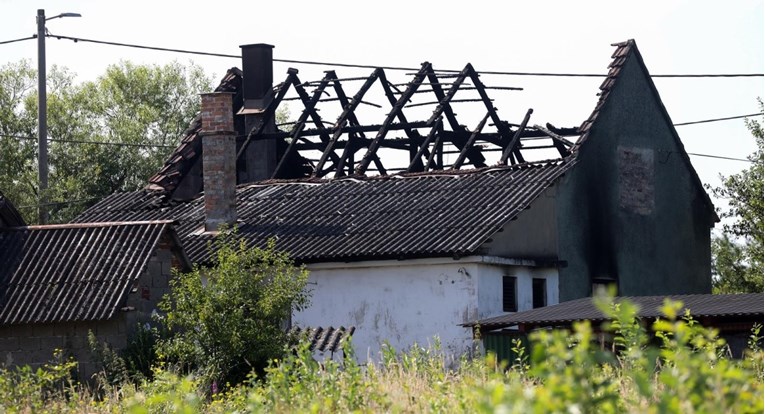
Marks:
<point>228,320</point>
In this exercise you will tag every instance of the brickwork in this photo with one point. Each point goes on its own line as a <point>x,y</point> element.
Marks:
<point>219,160</point>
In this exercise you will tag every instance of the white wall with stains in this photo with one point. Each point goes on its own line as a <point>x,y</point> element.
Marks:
<point>413,301</point>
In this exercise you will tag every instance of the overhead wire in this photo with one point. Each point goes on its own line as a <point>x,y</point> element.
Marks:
<point>127,144</point>
<point>400,68</point>
<point>717,119</point>
<point>722,157</point>
<point>5,42</point>
<point>73,141</point>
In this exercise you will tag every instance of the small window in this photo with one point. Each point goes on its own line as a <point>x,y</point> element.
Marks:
<point>509,298</point>
<point>539,292</point>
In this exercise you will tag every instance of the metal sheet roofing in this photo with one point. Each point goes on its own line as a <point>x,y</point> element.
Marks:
<point>74,272</point>
<point>326,339</point>
<point>404,216</point>
<point>700,305</point>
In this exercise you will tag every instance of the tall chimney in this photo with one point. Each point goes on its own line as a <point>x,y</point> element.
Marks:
<point>218,159</point>
<point>257,92</point>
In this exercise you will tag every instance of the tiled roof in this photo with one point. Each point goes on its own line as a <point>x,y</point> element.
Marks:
<point>72,272</point>
<point>326,339</point>
<point>404,216</point>
<point>702,305</point>
<point>9,216</point>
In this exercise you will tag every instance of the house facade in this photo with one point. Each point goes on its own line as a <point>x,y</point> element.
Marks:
<point>408,256</point>
<point>59,282</point>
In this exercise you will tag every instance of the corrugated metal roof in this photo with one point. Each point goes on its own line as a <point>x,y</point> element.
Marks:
<point>404,216</point>
<point>325,339</point>
<point>72,272</point>
<point>701,305</point>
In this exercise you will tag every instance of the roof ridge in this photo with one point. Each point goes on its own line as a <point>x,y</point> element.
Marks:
<point>88,225</point>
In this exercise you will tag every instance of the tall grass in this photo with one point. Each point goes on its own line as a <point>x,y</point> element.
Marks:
<point>687,372</point>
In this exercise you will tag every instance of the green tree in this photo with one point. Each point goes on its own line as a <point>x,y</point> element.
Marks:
<point>230,319</point>
<point>132,105</point>
<point>738,253</point>
<point>18,166</point>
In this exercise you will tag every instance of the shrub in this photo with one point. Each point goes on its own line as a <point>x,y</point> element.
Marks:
<point>228,320</point>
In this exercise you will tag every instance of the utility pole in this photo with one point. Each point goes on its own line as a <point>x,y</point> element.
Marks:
<point>42,113</point>
<point>42,119</point>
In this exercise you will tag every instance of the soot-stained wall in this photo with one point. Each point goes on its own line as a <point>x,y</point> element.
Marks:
<point>631,208</point>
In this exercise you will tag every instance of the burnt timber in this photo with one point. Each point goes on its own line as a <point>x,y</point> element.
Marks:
<point>408,140</point>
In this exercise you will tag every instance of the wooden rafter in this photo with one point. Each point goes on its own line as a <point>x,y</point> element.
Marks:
<point>469,144</point>
<point>511,147</point>
<point>310,106</point>
<point>395,112</point>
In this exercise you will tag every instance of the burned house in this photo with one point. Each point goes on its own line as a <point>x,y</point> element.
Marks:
<point>59,282</point>
<point>416,224</point>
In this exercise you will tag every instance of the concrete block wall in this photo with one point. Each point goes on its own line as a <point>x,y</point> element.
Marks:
<point>34,344</point>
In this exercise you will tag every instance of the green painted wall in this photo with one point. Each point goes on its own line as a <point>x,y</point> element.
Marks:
<point>631,209</point>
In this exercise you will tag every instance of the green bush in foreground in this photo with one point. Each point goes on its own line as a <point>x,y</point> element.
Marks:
<point>233,324</point>
<point>685,372</point>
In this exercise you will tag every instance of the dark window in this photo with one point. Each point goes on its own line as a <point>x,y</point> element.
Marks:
<point>509,298</point>
<point>539,292</point>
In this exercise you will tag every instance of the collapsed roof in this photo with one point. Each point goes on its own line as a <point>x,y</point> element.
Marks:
<point>418,131</point>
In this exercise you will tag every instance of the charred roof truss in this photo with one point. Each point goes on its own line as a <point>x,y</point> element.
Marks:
<point>439,142</point>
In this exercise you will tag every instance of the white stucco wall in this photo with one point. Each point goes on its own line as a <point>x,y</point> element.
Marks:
<point>411,301</point>
<point>490,287</point>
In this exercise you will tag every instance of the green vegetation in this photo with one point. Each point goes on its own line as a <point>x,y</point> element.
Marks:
<point>129,104</point>
<point>738,253</point>
<point>684,372</point>
<point>228,320</point>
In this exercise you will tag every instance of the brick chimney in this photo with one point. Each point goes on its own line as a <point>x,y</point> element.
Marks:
<point>257,91</point>
<point>218,160</point>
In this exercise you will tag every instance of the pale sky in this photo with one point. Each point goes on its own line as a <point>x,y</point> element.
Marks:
<point>674,37</point>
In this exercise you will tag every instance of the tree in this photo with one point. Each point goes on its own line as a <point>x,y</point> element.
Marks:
<point>738,253</point>
<point>143,108</point>
<point>228,320</point>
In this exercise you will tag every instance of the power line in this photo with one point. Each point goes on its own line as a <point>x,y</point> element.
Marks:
<point>5,42</point>
<point>717,119</point>
<point>73,141</point>
<point>125,144</point>
<point>352,65</point>
<point>162,49</point>
<point>84,200</point>
<point>721,157</point>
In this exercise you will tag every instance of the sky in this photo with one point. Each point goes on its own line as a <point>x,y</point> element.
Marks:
<point>674,37</point>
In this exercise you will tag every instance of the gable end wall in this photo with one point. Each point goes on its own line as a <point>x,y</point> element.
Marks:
<point>631,207</point>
